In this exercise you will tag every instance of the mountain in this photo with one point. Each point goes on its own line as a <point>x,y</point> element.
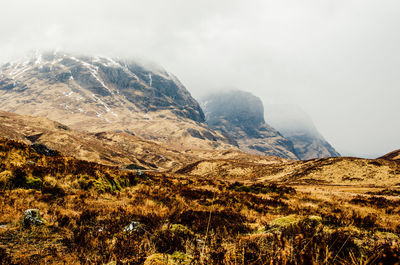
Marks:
<point>295,125</point>
<point>240,116</point>
<point>98,94</point>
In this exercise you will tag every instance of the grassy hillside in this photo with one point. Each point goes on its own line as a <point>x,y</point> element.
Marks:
<point>348,171</point>
<point>395,155</point>
<point>95,214</point>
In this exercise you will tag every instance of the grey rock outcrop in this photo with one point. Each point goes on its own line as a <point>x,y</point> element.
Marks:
<point>44,150</point>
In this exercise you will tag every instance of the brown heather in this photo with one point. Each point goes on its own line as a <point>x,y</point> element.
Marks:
<point>186,218</point>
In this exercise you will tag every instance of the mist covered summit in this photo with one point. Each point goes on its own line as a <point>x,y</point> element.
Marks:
<point>297,126</point>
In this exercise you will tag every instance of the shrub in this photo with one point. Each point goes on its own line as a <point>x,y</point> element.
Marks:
<point>260,188</point>
<point>51,186</point>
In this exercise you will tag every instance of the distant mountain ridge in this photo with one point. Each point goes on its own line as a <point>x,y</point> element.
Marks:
<point>294,124</point>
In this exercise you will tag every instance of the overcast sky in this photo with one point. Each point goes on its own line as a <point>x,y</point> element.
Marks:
<point>339,60</point>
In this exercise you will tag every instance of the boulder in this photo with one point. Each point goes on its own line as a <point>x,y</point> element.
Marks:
<point>31,217</point>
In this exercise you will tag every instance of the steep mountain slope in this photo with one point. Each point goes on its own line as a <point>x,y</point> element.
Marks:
<point>101,94</point>
<point>118,149</point>
<point>240,116</point>
<point>295,125</point>
<point>109,148</point>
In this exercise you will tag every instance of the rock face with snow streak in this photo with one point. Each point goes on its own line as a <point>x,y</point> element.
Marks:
<point>102,94</point>
<point>240,116</point>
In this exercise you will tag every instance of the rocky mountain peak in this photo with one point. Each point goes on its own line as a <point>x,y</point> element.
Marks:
<point>240,115</point>
<point>288,131</point>
<point>237,107</point>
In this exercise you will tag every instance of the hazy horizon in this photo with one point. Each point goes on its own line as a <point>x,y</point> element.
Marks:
<point>338,60</point>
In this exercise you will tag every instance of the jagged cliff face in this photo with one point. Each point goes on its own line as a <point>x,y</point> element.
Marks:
<point>103,94</point>
<point>237,108</point>
<point>295,125</point>
<point>240,115</point>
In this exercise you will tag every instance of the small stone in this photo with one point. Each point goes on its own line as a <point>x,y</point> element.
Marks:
<point>134,227</point>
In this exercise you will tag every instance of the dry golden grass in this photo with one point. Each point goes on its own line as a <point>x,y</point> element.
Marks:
<point>339,171</point>
<point>187,219</point>
<point>395,155</point>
